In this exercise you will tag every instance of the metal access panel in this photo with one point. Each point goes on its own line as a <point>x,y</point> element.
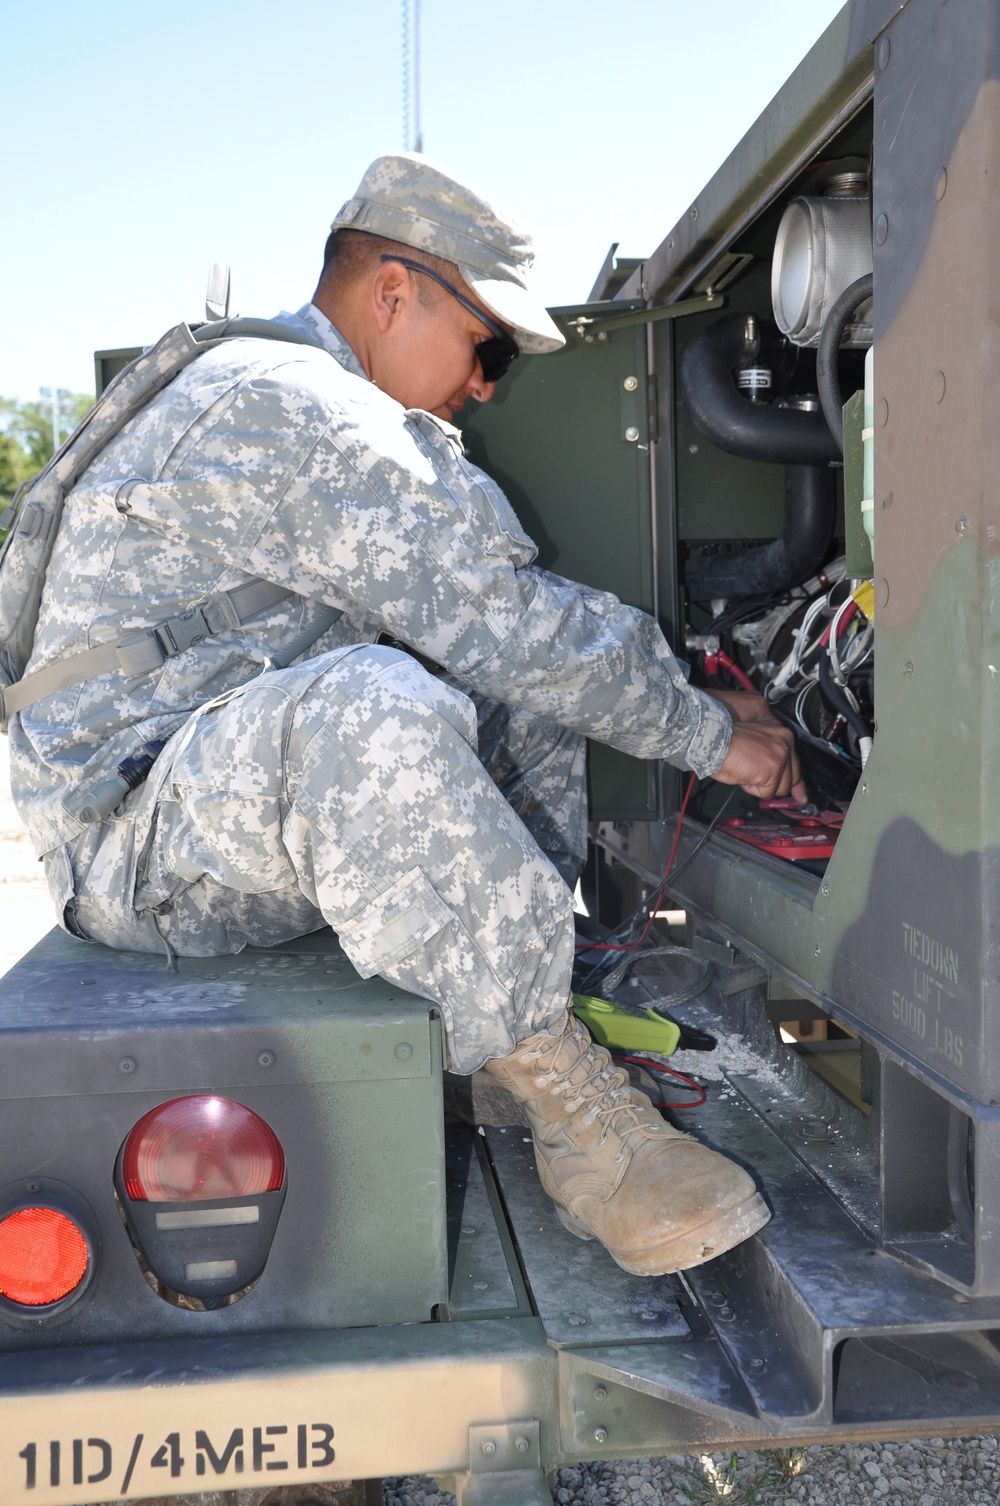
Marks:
<point>567,437</point>
<point>347,1074</point>
<point>108,363</point>
<point>898,939</point>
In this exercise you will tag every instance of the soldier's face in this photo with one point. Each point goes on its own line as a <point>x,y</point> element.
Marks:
<point>428,359</point>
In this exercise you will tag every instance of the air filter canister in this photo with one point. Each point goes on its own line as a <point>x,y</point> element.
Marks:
<point>822,246</point>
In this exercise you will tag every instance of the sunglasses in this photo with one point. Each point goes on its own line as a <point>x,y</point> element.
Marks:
<point>495,353</point>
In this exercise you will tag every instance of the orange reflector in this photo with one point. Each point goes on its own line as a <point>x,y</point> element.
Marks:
<point>43,1256</point>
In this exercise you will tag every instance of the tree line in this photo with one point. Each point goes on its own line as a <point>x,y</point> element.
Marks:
<point>26,436</point>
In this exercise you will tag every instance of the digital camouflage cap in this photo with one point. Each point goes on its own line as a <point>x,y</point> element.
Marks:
<point>406,198</point>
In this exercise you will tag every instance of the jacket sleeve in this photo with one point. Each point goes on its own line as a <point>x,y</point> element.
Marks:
<point>387,513</point>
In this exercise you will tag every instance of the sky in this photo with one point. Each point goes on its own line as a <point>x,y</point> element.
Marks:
<point>143,141</point>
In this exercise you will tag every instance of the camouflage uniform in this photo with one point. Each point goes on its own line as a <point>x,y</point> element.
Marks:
<point>346,788</point>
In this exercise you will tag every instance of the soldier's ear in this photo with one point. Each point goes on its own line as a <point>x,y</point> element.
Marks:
<point>392,292</point>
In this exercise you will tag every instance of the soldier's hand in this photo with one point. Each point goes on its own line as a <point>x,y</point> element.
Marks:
<point>745,706</point>
<point>762,759</point>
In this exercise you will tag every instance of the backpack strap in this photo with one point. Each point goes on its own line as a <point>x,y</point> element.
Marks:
<point>146,651</point>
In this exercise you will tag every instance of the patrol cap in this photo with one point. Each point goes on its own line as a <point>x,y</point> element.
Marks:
<point>406,198</point>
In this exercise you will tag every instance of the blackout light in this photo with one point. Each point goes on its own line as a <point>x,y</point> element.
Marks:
<point>201,1148</point>
<point>202,1182</point>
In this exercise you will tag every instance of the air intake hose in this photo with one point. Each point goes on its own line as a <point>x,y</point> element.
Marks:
<point>794,437</point>
<point>797,554</point>
<point>784,436</point>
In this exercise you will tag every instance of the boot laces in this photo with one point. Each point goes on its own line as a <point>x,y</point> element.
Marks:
<point>604,1090</point>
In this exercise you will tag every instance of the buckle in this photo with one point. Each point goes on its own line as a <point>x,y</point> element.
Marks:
<point>180,633</point>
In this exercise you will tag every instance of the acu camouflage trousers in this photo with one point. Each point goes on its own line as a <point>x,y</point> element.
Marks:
<point>348,790</point>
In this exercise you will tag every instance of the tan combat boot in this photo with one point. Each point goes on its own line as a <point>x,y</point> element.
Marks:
<point>656,1199</point>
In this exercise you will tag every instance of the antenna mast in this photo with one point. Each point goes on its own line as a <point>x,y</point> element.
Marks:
<point>413,136</point>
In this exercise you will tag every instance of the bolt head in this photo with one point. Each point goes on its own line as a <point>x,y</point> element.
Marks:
<point>521,1444</point>
<point>881,229</point>
<point>600,1435</point>
<point>941,184</point>
<point>600,1393</point>
<point>884,49</point>
<point>631,433</point>
<point>489,1447</point>
<point>403,1051</point>
<point>266,1058</point>
<point>127,1065</point>
<point>630,383</point>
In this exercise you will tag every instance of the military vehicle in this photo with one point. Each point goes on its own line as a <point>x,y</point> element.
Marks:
<point>396,1295</point>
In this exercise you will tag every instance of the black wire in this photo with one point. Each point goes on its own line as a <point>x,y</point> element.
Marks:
<point>610,961</point>
<point>838,700</point>
<point>831,749</point>
<point>704,836</point>
<point>620,938</point>
<point>746,608</point>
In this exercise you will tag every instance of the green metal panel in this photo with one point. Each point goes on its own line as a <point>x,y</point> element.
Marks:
<point>108,363</point>
<point>346,1071</point>
<point>567,437</point>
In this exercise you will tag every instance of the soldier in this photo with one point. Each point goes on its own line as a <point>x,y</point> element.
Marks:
<point>306,502</point>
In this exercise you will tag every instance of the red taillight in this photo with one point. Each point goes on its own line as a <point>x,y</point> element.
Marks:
<point>192,1149</point>
<point>43,1256</point>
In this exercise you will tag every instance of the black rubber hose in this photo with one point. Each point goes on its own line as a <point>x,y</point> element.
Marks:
<point>785,436</point>
<point>828,352</point>
<point>836,698</point>
<point>810,501</point>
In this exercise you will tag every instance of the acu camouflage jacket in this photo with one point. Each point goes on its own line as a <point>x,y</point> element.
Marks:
<point>271,461</point>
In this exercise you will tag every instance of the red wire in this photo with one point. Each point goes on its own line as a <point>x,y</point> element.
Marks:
<point>655,1067</point>
<point>742,679</point>
<point>600,946</point>
<point>848,613</point>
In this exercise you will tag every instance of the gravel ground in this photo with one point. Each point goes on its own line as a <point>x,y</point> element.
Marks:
<point>919,1473</point>
<point>923,1472</point>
